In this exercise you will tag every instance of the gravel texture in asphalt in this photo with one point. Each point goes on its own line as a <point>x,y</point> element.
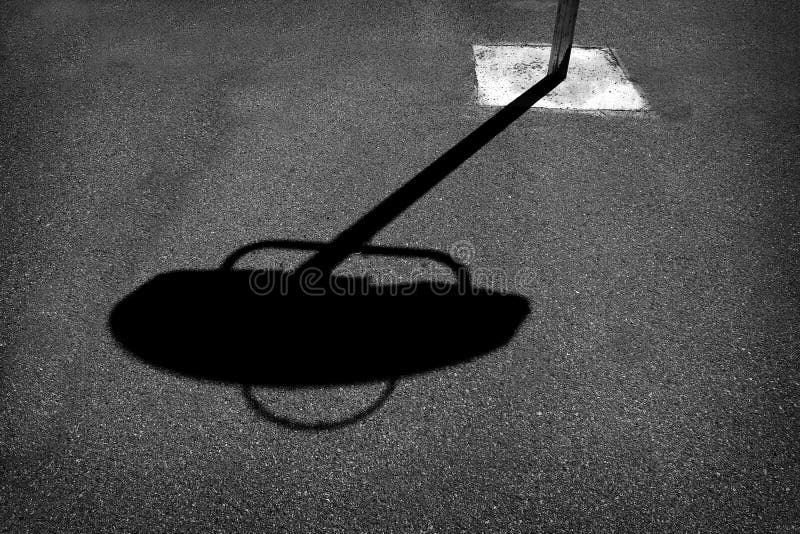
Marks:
<point>653,386</point>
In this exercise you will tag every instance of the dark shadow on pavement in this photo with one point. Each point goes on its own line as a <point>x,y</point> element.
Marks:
<point>279,328</point>
<point>293,329</point>
<point>294,423</point>
<point>315,328</point>
<point>363,230</point>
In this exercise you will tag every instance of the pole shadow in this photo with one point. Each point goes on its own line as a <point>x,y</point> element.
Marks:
<point>313,327</point>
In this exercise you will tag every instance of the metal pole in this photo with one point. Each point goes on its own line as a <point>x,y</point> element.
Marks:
<point>563,34</point>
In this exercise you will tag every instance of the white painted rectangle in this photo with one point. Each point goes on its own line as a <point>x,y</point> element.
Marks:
<point>595,80</point>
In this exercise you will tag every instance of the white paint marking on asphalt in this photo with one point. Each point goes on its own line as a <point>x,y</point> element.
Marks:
<point>595,80</point>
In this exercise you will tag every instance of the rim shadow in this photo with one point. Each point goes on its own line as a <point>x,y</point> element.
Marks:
<point>293,329</point>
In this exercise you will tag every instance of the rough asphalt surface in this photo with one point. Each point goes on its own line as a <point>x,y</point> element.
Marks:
<point>654,386</point>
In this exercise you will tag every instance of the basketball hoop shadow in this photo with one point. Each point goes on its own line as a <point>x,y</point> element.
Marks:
<point>305,330</point>
<point>295,329</point>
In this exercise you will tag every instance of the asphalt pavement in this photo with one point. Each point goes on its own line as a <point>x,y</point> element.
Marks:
<point>654,385</point>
